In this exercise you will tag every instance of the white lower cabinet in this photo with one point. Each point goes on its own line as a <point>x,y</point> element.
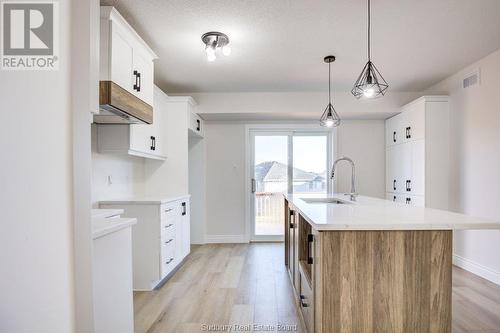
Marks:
<point>160,239</point>
<point>413,200</point>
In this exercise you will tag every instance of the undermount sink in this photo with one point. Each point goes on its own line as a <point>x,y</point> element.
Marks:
<point>325,200</point>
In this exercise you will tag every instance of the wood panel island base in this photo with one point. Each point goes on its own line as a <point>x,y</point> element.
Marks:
<point>353,272</point>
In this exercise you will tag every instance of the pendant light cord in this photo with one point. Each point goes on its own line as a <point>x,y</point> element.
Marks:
<point>369,26</point>
<point>329,81</point>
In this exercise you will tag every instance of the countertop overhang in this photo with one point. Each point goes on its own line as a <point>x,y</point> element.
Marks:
<point>368,213</point>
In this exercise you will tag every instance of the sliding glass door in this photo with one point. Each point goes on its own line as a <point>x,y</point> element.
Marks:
<point>284,162</point>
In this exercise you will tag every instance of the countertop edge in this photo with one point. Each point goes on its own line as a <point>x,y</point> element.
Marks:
<point>103,226</point>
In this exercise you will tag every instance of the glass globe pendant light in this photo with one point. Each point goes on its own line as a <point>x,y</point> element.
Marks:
<point>330,117</point>
<point>370,83</point>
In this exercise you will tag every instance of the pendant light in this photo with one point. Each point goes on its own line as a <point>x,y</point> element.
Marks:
<point>370,83</point>
<point>330,117</point>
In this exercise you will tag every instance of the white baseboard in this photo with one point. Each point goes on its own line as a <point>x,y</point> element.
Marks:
<point>478,269</point>
<point>217,239</point>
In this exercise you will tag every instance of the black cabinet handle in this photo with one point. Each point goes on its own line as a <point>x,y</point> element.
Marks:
<point>153,143</point>
<point>310,239</point>
<point>169,225</point>
<point>303,301</point>
<point>139,77</point>
<point>198,124</point>
<point>183,208</point>
<point>171,239</point>
<point>169,261</point>
<point>409,133</point>
<point>408,185</point>
<point>136,84</point>
<point>394,136</point>
<point>394,198</point>
<point>291,217</point>
<point>394,184</point>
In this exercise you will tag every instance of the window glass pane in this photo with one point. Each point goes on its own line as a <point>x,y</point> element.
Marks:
<point>271,178</point>
<point>309,164</point>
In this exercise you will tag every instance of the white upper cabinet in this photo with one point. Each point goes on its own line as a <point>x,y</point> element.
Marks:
<point>196,124</point>
<point>417,153</point>
<point>141,140</point>
<point>125,58</point>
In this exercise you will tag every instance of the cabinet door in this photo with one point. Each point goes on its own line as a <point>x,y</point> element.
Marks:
<point>291,247</point>
<point>393,131</point>
<point>121,60</point>
<point>390,169</point>
<point>143,77</point>
<point>415,200</point>
<point>186,228</point>
<point>417,179</point>
<point>414,124</point>
<point>141,138</point>
<point>196,124</point>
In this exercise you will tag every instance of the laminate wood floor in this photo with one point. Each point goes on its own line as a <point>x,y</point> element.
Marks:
<point>246,284</point>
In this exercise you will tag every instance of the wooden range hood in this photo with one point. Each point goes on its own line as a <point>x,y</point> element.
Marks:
<point>118,106</point>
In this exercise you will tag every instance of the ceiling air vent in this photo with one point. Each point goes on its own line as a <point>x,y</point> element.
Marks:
<point>472,79</point>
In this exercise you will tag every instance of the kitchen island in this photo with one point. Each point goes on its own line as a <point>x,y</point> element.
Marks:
<point>371,265</point>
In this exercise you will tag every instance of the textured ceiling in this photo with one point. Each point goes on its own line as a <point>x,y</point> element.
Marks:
<point>279,45</point>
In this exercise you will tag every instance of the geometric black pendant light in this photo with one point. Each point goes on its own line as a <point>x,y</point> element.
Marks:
<point>330,117</point>
<point>370,83</point>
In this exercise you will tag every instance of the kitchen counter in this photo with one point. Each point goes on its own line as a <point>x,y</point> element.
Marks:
<point>153,200</point>
<point>106,213</point>
<point>105,226</point>
<point>368,213</point>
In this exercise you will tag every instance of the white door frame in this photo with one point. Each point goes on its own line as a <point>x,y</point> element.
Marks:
<point>275,129</point>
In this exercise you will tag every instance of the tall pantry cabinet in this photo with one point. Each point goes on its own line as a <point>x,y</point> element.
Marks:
<point>417,153</point>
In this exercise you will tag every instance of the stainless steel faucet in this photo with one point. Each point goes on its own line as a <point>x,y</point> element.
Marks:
<point>353,193</point>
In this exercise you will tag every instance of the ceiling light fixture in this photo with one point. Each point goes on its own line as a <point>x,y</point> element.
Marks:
<point>370,83</point>
<point>330,117</point>
<point>214,41</point>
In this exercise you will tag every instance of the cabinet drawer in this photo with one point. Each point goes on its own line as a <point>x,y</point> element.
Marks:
<point>167,250</point>
<point>168,213</point>
<point>167,259</point>
<point>167,231</point>
<point>306,303</point>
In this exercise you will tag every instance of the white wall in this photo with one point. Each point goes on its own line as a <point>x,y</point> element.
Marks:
<point>475,162</point>
<point>126,172</point>
<point>364,141</point>
<point>225,181</point>
<point>36,257</point>
<point>197,188</point>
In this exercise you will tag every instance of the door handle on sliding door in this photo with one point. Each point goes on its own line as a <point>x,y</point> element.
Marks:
<point>253,186</point>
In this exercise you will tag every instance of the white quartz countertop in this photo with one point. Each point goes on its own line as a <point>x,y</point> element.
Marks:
<point>105,226</point>
<point>377,214</point>
<point>152,200</point>
<point>100,213</point>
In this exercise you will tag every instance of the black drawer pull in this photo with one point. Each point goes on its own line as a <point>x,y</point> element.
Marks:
<point>170,240</point>
<point>168,210</point>
<point>310,239</point>
<point>169,225</point>
<point>302,301</point>
<point>394,184</point>
<point>169,261</point>
<point>394,136</point>
<point>198,125</point>
<point>184,209</point>
<point>394,198</point>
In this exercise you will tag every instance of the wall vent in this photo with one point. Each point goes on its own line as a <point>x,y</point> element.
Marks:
<point>471,79</point>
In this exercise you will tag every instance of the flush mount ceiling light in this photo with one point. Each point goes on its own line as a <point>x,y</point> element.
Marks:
<point>214,41</point>
<point>330,117</point>
<point>370,83</point>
